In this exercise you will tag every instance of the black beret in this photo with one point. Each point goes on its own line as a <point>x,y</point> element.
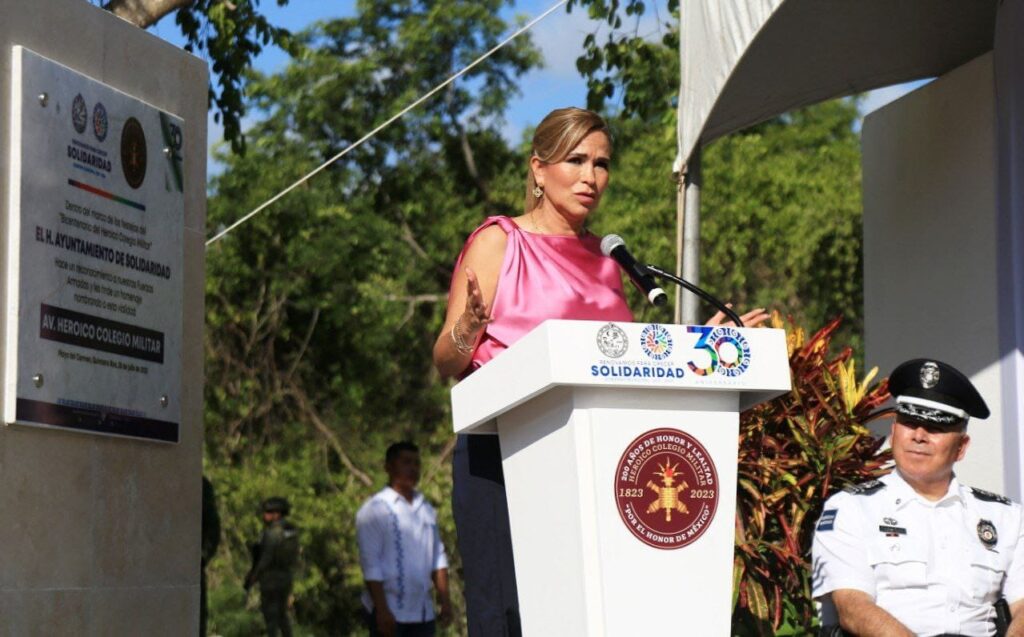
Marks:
<point>927,389</point>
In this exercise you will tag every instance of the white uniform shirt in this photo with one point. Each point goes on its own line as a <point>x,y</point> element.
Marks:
<point>399,545</point>
<point>925,563</point>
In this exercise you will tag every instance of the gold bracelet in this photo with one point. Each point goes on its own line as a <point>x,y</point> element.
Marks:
<point>460,343</point>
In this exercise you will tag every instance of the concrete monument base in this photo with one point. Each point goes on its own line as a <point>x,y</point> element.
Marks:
<point>101,534</point>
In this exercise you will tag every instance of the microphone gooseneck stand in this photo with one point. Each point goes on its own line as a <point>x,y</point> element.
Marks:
<point>655,270</point>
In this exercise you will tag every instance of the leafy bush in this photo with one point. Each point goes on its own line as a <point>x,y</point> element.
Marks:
<point>795,451</point>
<point>327,582</point>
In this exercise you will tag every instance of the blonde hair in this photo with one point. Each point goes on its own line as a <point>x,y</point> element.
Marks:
<point>558,133</point>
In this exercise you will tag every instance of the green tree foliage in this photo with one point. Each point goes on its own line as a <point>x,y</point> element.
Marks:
<point>781,216</point>
<point>781,207</point>
<point>322,311</point>
<point>231,33</point>
<point>780,212</point>
<point>642,67</point>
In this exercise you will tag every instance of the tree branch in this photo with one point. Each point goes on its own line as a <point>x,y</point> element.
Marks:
<point>303,402</point>
<point>305,343</point>
<point>410,239</point>
<point>467,150</point>
<point>435,466</point>
<point>417,298</point>
<point>413,301</point>
<point>470,158</point>
<point>144,13</point>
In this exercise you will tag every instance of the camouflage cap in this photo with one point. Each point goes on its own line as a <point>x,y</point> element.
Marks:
<point>276,505</point>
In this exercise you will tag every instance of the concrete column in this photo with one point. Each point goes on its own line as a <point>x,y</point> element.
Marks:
<point>101,535</point>
<point>934,257</point>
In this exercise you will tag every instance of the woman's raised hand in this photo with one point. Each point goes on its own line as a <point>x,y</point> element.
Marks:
<point>477,313</point>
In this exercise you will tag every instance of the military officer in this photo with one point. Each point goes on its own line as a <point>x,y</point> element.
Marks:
<point>917,552</point>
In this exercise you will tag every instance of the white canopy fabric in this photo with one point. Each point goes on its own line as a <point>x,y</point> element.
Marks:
<point>746,61</point>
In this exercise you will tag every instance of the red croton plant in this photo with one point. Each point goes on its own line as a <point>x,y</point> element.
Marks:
<point>795,451</point>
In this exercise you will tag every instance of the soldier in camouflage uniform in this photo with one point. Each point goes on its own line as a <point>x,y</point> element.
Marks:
<point>274,561</point>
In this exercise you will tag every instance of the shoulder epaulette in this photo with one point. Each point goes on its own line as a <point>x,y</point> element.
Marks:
<point>865,488</point>
<point>988,496</point>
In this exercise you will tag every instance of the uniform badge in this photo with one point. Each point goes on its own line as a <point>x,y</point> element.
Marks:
<point>890,529</point>
<point>828,520</point>
<point>865,488</point>
<point>988,496</point>
<point>987,533</point>
<point>929,375</point>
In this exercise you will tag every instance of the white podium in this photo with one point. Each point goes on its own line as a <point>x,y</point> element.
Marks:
<point>619,446</point>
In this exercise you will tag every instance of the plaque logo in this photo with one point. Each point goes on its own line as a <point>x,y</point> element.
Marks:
<point>100,124</point>
<point>656,342</point>
<point>133,153</point>
<point>666,489</point>
<point>612,340</point>
<point>79,114</point>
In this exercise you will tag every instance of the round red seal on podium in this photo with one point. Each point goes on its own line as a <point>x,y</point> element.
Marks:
<point>666,488</point>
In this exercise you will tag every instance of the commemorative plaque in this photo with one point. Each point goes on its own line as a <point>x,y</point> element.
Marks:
<point>94,257</point>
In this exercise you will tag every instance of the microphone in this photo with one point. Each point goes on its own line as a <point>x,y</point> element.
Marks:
<point>613,246</point>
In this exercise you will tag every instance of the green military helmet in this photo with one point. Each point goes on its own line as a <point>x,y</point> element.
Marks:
<point>276,504</point>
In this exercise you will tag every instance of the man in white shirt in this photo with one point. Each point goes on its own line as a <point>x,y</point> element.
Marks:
<point>916,552</point>
<point>401,553</point>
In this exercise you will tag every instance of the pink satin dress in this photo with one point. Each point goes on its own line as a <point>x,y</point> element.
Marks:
<point>547,277</point>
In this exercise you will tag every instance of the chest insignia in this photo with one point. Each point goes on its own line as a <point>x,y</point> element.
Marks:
<point>890,521</point>
<point>987,533</point>
<point>988,496</point>
<point>892,531</point>
<point>865,488</point>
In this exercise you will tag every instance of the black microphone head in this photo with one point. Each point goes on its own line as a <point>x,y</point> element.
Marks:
<point>610,242</point>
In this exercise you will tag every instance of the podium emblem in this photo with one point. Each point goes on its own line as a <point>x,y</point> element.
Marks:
<point>612,340</point>
<point>656,342</point>
<point>666,488</point>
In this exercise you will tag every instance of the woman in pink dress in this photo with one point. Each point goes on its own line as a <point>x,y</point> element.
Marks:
<point>513,274</point>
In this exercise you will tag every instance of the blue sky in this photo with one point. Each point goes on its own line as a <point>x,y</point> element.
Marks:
<point>559,37</point>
